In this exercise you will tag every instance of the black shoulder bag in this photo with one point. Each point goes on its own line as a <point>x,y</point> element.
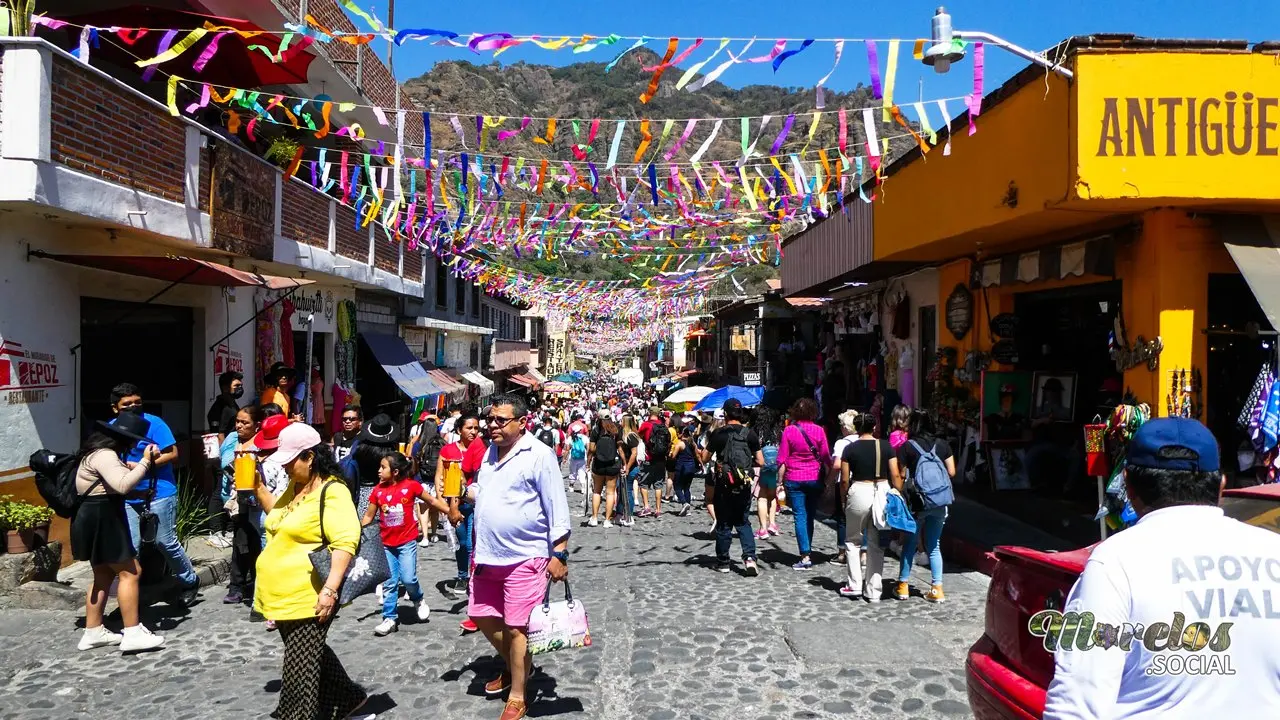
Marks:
<point>368,567</point>
<point>149,522</point>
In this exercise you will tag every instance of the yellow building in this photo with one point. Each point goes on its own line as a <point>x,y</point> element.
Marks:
<point>1129,188</point>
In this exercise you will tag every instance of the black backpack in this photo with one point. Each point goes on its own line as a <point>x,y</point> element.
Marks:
<point>548,437</point>
<point>732,469</point>
<point>659,445</point>
<point>56,480</point>
<point>606,449</point>
<point>428,455</point>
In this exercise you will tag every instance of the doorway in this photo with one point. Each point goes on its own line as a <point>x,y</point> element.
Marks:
<point>928,319</point>
<point>147,345</point>
<point>1236,354</point>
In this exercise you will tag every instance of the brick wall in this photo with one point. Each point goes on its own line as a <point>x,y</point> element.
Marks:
<point>379,86</point>
<point>386,253</point>
<point>100,130</point>
<point>305,215</point>
<point>413,265</point>
<point>351,243</point>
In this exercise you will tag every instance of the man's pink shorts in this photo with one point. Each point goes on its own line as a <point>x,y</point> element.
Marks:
<point>510,592</point>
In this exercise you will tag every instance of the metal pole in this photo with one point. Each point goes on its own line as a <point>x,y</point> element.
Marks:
<point>1018,50</point>
<point>306,376</point>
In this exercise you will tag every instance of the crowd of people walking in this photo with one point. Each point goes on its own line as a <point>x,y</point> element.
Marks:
<point>492,481</point>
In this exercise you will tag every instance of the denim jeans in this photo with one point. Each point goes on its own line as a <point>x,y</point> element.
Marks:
<point>465,540</point>
<point>929,523</point>
<point>803,498</point>
<point>403,562</point>
<point>684,485</point>
<point>729,519</point>
<point>166,537</point>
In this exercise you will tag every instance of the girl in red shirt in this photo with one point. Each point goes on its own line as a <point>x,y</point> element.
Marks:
<point>392,501</point>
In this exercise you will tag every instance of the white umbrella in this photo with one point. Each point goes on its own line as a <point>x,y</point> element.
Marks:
<point>689,394</point>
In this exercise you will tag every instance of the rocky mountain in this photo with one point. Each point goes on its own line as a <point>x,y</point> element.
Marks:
<point>585,90</point>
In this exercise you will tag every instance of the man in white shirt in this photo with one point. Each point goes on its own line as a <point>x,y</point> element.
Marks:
<point>1190,599</point>
<point>521,541</point>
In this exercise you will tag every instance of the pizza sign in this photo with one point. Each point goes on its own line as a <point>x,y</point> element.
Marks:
<point>26,375</point>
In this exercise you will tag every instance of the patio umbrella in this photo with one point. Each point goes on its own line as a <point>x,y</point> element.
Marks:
<point>688,395</point>
<point>715,400</point>
<point>555,386</point>
<point>233,64</point>
<point>566,378</point>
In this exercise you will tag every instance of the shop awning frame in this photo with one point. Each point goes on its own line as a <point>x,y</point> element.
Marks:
<point>475,377</point>
<point>400,364</point>
<point>177,270</point>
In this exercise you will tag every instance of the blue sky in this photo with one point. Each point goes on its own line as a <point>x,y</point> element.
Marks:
<point>1034,24</point>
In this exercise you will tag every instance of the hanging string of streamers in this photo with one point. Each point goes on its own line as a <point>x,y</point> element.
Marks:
<point>466,187</point>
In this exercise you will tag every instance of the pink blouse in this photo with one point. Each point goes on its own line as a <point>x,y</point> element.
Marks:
<point>794,452</point>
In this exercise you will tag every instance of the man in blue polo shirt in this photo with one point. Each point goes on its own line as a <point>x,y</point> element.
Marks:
<point>126,397</point>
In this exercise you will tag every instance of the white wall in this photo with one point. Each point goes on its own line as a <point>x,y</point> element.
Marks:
<point>40,309</point>
<point>921,288</point>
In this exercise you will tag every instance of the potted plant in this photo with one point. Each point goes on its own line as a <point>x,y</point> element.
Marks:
<point>25,526</point>
<point>15,17</point>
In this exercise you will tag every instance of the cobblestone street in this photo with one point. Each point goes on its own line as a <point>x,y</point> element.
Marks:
<point>672,639</point>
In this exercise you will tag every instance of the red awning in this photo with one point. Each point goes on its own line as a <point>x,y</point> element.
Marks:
<point>446,381</point>
<point>174,269</point>
<point>523,380</point>
<point>684,374</point>
<point>699,333</point>
<point>232,63</point>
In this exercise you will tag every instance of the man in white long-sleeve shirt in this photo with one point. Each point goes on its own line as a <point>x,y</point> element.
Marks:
<point>1204,588</point>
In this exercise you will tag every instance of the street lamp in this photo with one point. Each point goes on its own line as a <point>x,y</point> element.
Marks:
<point>945,49</point>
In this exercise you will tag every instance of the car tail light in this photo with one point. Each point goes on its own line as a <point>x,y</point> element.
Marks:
<point>1024,583</point>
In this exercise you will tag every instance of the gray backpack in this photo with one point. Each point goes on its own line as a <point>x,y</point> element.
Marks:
<point>931,479</point>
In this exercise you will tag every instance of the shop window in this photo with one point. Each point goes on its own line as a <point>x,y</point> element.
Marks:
<point>460,296</point>
<point>442,285</point>
<point>475,301</point>
<point>475,354</point>
<point>484,316</point>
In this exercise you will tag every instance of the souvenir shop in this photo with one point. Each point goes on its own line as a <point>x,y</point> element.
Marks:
<point>312,330</point>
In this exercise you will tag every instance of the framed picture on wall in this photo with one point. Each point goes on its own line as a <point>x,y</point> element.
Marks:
<point>1055,396</point>
<point>1008,465</point>
<point>1006,405</point>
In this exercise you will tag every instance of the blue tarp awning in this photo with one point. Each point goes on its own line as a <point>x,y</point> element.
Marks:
<point>716,399</point>
<point>400,365</point>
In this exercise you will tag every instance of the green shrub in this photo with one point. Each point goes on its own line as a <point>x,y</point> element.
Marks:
<point>19,515</point>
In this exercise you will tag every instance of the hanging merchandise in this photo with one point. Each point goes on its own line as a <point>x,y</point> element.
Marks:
<point>906,368</point>
<point>1184,399</point>
<point>286,332</point>
<point>267,337</point>
<point>344,351</point>
<point>1097,463</point>
<point>1260,385</point>
<point>1121,426</point>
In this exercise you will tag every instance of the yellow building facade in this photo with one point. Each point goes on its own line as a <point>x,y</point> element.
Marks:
<point>1160,152</point>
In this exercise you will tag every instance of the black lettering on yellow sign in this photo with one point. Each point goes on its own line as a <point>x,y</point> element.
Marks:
<point>1239,124</point>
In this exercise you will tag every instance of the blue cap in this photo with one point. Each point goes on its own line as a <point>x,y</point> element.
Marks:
<point>1174,444</point>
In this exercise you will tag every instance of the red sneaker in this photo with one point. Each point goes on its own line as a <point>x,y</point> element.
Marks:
<point>468,626</point>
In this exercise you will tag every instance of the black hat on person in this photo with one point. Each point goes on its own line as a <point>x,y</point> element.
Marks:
<point>380,430</point>
<point>273,375</point>
<point>130,426</point>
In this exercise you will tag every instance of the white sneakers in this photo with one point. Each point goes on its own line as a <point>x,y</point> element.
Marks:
<point>139,638</point>
<point>98,637</point>
<point>424,612</point>
<point>386,627</point>
<point>608,523</point>
<point>593,523</point>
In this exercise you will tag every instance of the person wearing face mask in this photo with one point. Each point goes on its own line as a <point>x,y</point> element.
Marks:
<point>222,420</point>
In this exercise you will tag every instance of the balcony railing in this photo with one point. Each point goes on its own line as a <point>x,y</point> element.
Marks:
<point>65,114</point>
